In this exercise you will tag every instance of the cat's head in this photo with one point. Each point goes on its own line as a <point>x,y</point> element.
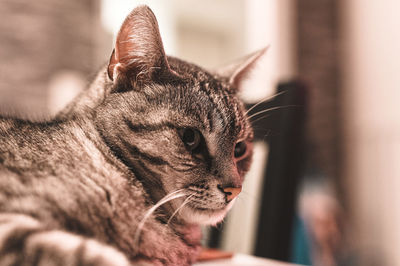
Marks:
<point>176,126</point>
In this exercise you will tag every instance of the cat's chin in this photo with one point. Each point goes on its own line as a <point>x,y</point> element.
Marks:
<point>205,216</point>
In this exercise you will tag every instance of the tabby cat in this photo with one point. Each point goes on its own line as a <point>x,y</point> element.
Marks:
<point>127,172</point>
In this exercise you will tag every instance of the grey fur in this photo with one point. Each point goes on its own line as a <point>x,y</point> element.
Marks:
<point>74,190</point>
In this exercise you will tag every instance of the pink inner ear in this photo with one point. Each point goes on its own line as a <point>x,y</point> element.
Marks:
<point>138,48</point>
<point>245,68</point>
<point>111,65</point>
<point>241,69</point>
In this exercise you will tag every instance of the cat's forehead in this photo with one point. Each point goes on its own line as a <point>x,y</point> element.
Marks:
<point>208,98</point>
<point>199,75</point>
<point>218,106</point>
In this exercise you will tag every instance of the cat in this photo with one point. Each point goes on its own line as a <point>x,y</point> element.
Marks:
<point>129,170</point>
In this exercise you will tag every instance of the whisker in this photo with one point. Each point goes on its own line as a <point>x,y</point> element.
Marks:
<point>271,109</point>
<point>186,201</point>
<point>259,118</point>
<point>269,97</point>
<point>174,195</point>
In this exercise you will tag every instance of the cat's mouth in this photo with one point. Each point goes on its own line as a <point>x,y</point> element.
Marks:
<point>207,209</point>
<point>203,203</point>
<point>206,214</point>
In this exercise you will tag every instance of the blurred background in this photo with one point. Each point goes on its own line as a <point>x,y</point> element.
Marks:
<point>324,185</point>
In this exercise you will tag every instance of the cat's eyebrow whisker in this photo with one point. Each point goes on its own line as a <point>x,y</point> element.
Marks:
<point>259,118</point>
<point>173,195</point>
<point>271,109</point>
<point>186,201</point>
<point>269,97</point>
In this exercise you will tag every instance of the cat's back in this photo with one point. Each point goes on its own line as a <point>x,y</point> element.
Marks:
<point>25,144</point>
<point>70,149</point>
<point>53,166</point>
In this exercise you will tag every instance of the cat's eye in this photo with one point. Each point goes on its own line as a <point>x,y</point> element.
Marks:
<point>240,149</point>
<point>191,138</point>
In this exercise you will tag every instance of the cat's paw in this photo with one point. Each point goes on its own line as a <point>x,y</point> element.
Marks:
<point>61,248</point>
<point>102,255</point>
<point>23,241</point>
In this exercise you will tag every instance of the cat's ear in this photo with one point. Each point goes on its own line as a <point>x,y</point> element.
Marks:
<point>139,53</point>
<point>239,70</point>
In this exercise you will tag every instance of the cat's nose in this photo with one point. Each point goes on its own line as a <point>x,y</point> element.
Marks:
<point>230,192</point>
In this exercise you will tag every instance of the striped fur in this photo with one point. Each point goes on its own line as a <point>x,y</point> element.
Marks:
<point>75,190</point>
